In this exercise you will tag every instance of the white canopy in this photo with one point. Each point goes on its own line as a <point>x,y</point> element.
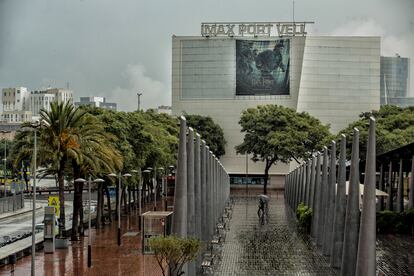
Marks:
<point>361,190</point>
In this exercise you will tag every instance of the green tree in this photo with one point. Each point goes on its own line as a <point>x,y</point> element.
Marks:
<point>173,252</point>
<point>97,155</point>
<point>211,132</point>
<point>279,134</point>
<point>60,135</point>
<point>145,139</point>
<point>394,128</point>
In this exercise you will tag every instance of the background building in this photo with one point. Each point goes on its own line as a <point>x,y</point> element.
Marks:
<point>97,102</point>
<point>164,109</point>
<point>332,78</point>
<point>395,81</point>
<point>16,105</point>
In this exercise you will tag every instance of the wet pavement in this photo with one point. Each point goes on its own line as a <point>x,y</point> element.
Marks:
<point>107,257</point>
<point>274,247</point>
<point>395,254</point>
<point>252,247</point>
<point>271,247</point>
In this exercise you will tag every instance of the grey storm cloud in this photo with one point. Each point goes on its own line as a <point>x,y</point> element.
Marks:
<point>118,48</point>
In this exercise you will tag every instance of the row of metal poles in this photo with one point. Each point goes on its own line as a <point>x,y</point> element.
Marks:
<point>202,189</point>
<point>339,229</point>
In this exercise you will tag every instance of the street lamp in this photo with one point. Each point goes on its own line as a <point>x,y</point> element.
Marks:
<point>5,160</point>
<point>98,180</point>
<point>33,127</point>
<point>139,101</point>
<point>119,202</point>
<point>34,204</point>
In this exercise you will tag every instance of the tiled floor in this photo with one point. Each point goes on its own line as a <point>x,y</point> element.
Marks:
<point>270,247</point>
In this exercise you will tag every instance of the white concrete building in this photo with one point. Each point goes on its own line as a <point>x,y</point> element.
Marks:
<point>16,105</point>
<point>164,109</point>
<point>42,99</point>
<point>332,78</point>
<point>96,102</point>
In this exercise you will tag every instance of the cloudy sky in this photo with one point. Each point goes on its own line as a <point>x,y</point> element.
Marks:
<point>115,48</point>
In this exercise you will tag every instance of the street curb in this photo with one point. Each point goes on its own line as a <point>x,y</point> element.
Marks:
<point>21,213</point>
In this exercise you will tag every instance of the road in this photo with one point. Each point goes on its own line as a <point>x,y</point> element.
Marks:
<point>19,225</point>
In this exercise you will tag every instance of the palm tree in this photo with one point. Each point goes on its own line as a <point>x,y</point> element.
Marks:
<point>98,154</point>
<point>67,136</point>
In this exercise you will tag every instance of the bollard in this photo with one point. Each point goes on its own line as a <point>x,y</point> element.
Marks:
<point>350,247</point>
<point>366,259</point>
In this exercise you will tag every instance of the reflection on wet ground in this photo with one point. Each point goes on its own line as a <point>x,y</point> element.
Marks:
<point>274,247</point>
<point>270,246</point>
<point>107,257</point>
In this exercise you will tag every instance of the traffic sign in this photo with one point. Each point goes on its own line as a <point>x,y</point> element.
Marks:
<point>54,201</point>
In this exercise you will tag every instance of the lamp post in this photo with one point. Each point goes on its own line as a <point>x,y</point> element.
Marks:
<point>99,180</point>
<point>5,164</point>
<point>33,128</point>
<point>5,161</point>
<point>34,205</point>
<point>139,101</point>
<point>119,202</point>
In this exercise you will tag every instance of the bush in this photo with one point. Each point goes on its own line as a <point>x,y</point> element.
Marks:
<point>174,251</point>
<point>304,215</point>
<point>405,224</point>
<point>389,222</point>
<point>386,222</point>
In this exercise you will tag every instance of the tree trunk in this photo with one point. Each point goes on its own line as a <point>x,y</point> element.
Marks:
<point>81,228</point>
<point>77,202</point>
<point>129,199</point>
<point>101,205</point>
<point>116,199</point>
<point>267,167</point>
<point>108,200</point>
<point>98,209</point>
<point>26,178</point>
<point>62,222</point>
<point>123,197</point>
<point>134,193</point>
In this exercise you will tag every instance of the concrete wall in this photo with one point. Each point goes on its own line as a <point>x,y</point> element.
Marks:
<point>340,78</point>
<point>333,78</point>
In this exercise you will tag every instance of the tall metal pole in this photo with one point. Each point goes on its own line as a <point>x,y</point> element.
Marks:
<point>139,101</point>
<point>34,205</point>
<point>5,166</point>
<point>247,173</point>
<point>89,224</point>
<point>139,199</point>
<point>119,210</point>
<point>155,188</point>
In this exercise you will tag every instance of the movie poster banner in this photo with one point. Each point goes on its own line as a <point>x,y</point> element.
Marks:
<point>262,67</point>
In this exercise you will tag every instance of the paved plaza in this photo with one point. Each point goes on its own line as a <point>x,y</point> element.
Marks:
<point>252,247</point>
<point>272,247</point>
<point>275,247</point>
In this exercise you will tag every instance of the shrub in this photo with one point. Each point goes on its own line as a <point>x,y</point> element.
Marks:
<point>405,224</point>
<point>174,251</point>
<point>304,215</point>
<point>389,222</point>
<point>386,222</point>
